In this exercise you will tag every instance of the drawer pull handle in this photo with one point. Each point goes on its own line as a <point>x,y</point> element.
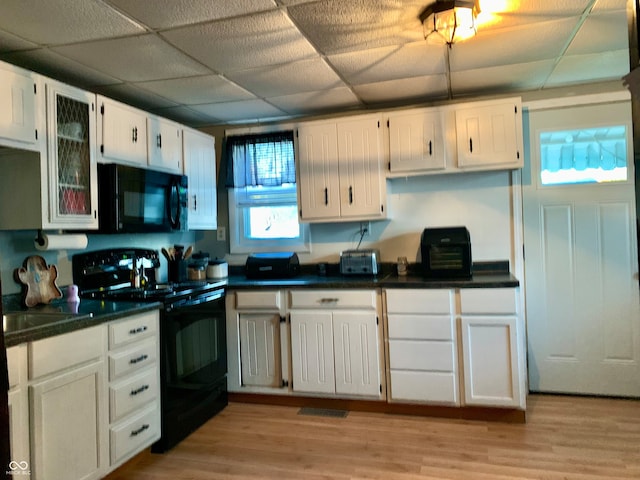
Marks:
<point>139,430</point>
<point>139,390</point>
<point>133,331</point>
<point>329,300</point>
<point>139,359</point>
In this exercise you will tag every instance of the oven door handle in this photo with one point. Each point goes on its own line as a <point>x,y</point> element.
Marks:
<point>218,294</point>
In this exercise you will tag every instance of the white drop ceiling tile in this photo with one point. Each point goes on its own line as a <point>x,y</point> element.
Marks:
<point>527,44</point>
<point>336,26</point>
<point>134,59</point>
<point>186,116</point>
<point>590,68</point>
<point>53,65</point>
<point>134,96</point>
<point>241,43</point>
<point>248,110</point>
<point>404,90</point>
<point>197,90</point>
<point>56,22</point>
<point>602,5</point>
<point>173,13</point>
<point>310,103</point>
<point>601,33</point>
<point>10,43</point>
<point>296,77</point>
<point>506,78</point>
<point>390,63</point>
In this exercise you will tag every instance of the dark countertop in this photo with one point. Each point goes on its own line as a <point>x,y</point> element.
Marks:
<point>486,275</point>
<point>86,313</point>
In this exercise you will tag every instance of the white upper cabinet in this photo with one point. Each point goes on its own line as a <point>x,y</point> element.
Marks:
<point>200,167</point>
<point>122,133</point>
<point>164,144</point>
<point>18,112</point>
<point>416,141</point>
<point>489,134</point>
<point>319,184</point>
<point>55,187</point>
<point>71,145</point>
<point>340,167</point>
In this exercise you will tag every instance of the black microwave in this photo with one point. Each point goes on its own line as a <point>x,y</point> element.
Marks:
<point>136,200</point>
<point>446,252</point>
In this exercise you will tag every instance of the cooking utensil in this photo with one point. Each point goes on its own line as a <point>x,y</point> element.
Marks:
<point>187,254</point>
<point>166,254</point>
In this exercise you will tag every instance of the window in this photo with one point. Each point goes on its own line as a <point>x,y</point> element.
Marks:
<point>590,155</point>
<point>263,206</point>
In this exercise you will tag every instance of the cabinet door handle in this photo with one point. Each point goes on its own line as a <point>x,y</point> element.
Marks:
<point>471,145</point>
<point>139,359</point>
<point>430,148</point>
<point>133,135</point>
<point>329,300</point>
<point>350,195</point>
<point>159,140</point>
<point>139,390</point>
<point>139,430</point>
<point>135,331</point>
<point>195,202</point>
<point>326,196</point>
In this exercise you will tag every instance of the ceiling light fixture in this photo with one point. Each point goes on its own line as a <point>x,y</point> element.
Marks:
<point>449,21</point>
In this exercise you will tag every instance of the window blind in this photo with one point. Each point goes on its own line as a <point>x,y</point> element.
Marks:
<point>260,160</point>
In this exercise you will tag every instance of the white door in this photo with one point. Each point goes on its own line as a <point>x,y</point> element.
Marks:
<point>312,352</point>
<point>359,154</point>
<point>357,366</point>
<point>416,141</point>
<point>260,349</point>
<point>319,188</point>
<point>581,254</point>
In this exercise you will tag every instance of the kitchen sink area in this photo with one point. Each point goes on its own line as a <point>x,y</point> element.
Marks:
<point>25,320</point>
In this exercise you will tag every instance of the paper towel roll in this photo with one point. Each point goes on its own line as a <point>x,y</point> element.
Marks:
<point>61,242</point>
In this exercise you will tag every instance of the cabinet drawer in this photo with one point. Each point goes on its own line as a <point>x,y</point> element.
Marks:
<point>258,300</point>
<point>419,301</point>
<point>421,327</point>
<point>488,300</point>
<point>133,328</point>
<point>129,394</point>
<point>333,299</point>
<point>17,364</point>
<point>436,387</point>
<point>128,437</point>
<point>138,356</point>
<point>422,355</point>
<point>63,351</point>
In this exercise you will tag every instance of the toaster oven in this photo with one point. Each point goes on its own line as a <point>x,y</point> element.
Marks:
<point>446,252</point>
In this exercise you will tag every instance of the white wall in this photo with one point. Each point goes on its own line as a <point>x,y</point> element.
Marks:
<point>480,201</point>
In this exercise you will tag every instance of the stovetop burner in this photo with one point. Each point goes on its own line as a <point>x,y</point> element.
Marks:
<point>105,274</point>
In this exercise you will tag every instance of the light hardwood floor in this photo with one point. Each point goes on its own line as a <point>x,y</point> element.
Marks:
<point>565,438</point>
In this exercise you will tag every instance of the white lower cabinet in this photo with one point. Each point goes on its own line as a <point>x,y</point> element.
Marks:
<point>493,357</point>
<point>67,406</point>
<point>257,342</point>
<point>18,411</point>
<point>260,349</point>
<point>423,355</point>
<point>335,342</point>
<point>134,385</point>
<point>82,403</point>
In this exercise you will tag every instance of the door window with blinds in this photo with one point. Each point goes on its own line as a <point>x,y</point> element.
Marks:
<point>584,155</point>
<point>263,206</point>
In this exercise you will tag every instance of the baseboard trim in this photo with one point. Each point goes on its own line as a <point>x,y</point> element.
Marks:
<point>505,415</point>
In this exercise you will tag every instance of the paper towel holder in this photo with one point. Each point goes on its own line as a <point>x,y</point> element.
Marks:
<point>40,238</point>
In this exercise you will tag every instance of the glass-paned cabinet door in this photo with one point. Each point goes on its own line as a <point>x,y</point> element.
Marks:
<point>73,182</point>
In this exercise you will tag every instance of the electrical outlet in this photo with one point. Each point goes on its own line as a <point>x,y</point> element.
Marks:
<point>366,228</point>
<point>221,234</point>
